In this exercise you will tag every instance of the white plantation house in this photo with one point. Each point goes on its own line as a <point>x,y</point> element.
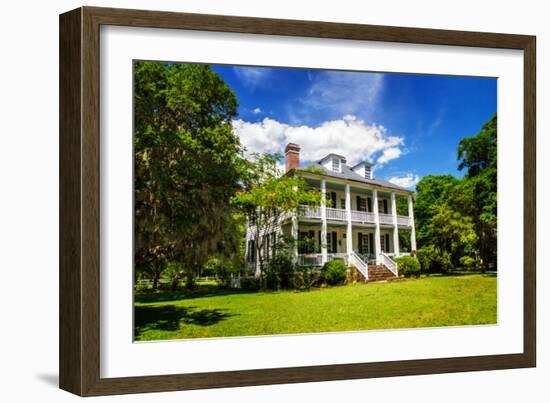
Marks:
<point>357,221</point>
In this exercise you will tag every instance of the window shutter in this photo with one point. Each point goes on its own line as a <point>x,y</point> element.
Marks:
<point>358,203</point>
<point>371,243</point>
<point>385,206</point>
<point>369,205</point>
<point>361,243</point>
<point>387,243</point>
<point>334,246</point>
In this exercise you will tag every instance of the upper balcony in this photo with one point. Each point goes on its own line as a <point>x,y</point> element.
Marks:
<point>362,217</point>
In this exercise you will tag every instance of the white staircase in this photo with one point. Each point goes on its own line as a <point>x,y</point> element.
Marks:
<point>360,264</point>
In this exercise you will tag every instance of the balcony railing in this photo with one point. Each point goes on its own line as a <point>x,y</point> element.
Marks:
<point>309,212</point>
<point>362,216</point>
<point>385,218</point>
<point>336,214</point>
<point>403,220</point>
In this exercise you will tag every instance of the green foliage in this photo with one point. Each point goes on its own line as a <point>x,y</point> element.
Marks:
<point>222,267</point>
<point>268,197</point>
<point>334,272</point>
<point>306,277</point>
<point>468,262</point>
<point>188,164</point>
<point>250,283</point>
<point>408,266</point>
<point>434,260</point>
<point>457,218</point>
<point>280,272</point>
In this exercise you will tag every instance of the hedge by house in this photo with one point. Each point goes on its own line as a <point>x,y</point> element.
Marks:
<point>408,266</point>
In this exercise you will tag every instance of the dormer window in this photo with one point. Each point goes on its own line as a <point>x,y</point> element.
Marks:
<point>336,165</point>
<point>368,172</point>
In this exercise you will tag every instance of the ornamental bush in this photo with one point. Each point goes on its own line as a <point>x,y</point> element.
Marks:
<point>408,266</point>
<point>434,260</point>
<point>306,277</point>
<point>279,272</point>
<point>334,272</point>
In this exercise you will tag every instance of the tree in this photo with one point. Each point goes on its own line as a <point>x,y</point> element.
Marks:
<point>478,154</point>
<point>269,198</point>
<point>456,218</point>
<point>188,165</point>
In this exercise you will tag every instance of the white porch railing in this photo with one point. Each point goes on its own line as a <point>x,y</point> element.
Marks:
<point>337,214</point>
<point>316,259</point>
<point>362,216</point>
<point>386,218</point>
<point>389,263</point>
<point>309,212</point>
<point>310,259</point>
<point>360,264</point>
<point>403,220</point>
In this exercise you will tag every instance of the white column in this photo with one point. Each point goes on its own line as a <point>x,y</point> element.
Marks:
<point>377,248</point>
<point>349,233</point>
<point>324,256</point>
<point>294,235</point>
<point>395,227</point>
<point>411,223</point>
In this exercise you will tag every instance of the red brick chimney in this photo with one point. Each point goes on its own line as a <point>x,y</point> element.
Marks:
<point>292,156</point>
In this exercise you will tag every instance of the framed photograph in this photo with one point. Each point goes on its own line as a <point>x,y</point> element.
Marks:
<point>248,201</point>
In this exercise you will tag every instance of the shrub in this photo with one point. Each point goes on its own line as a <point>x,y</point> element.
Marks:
<point>222,268</point>
<point>279,272</point>
<point>334,272</point>
<point>408,266</point>
<point>250,283</point>
<point>434,260</point>
<point>468,262</point>
<point>306,277</point>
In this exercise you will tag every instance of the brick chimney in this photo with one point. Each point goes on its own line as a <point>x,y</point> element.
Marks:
<point>292,156</point>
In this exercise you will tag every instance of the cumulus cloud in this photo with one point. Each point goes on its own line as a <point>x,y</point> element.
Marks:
<point>252,76</point>
<point>257,111</point>
<point>349,136</point>
<point>408,180</point>
<point>339,93</point>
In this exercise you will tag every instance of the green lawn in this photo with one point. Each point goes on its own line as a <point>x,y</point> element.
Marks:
<point>211,312</point>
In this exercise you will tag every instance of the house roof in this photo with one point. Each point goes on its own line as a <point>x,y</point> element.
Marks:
<point>368,163</point>
<point>326,157</point>
<point>347,174</point>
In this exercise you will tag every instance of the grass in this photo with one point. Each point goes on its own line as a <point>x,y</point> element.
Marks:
<point>213,312</point>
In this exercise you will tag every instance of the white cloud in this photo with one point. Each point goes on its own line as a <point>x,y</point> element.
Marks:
<point>408,180</point>
<point>252,76</point>
<point>349,136</point>
<point>256,111</point>
<point>389,154</point>
<point>339,93</point>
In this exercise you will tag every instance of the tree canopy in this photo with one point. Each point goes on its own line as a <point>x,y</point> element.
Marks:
<point>457,218</point>
<point>188,164</point>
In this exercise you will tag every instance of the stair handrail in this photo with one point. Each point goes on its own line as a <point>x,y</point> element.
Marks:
<point>360,264</point>
<point>390,264</point>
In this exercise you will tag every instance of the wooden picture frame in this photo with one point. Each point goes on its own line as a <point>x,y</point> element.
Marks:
<point>79,201</point>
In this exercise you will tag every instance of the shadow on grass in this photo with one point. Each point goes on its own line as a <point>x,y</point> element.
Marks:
<point>200,291</point>
<point>169,317</point>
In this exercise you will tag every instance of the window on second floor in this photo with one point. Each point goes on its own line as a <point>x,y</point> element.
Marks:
<point>336,164</point>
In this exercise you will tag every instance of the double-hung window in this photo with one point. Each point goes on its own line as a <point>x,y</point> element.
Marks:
<point>336,165</point>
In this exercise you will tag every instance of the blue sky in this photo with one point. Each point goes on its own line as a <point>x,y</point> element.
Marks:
<point>408,125</point>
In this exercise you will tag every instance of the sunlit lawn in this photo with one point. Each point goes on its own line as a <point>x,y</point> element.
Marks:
<point>212,312</point>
